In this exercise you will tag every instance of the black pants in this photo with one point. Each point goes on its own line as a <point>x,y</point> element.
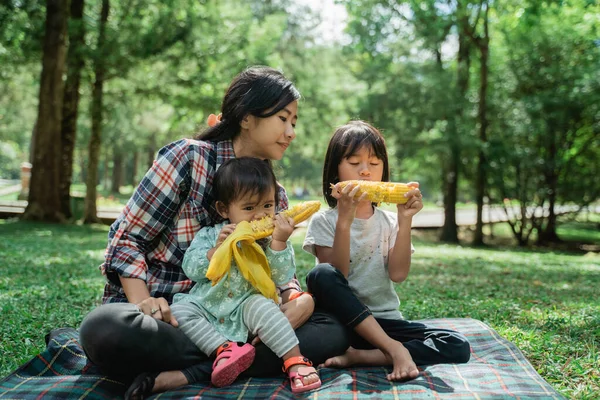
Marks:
<point>122,341</point>
<point>427,345</point>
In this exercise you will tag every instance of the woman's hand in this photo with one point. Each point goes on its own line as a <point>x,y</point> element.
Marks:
<point>299,310</point>
<point>158,309</point>
<point>347,201</point>
<point>414,203</point>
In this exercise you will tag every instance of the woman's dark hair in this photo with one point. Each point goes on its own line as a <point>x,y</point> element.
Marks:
<point>345,142</point>
<point>244,176</point>
<point>253,91</point>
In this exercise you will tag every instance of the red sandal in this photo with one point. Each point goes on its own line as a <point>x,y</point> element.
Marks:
<point>301,373</point>
<point>239,358</point>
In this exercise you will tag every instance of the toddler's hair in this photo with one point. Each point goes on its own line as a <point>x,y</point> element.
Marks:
<point>346,141</point>
<point>244,176</point>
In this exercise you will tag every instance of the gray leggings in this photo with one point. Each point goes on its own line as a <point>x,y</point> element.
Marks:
<point>261,316</point>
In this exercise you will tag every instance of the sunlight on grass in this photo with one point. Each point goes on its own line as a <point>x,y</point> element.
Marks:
<point>545,302</point>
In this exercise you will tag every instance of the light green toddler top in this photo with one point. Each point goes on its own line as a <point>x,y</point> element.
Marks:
<point>221,304</point>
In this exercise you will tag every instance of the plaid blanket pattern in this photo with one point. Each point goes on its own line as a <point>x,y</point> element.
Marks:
<point>497,370</point>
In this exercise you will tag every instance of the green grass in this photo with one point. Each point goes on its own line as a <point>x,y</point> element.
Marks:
<point>546,302</point>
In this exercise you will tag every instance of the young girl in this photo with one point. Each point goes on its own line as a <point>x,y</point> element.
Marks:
<point>216,314</point>
<point>362,250</point>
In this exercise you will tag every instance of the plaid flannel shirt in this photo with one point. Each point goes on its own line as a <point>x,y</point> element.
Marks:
<point>170,205</point>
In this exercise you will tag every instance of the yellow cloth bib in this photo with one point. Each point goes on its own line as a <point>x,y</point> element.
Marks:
<point>249,257</point>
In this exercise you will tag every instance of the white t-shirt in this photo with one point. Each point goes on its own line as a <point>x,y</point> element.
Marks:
<point>370,243</point>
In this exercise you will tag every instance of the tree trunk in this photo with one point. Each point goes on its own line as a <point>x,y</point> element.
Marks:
<point>75,63</point>
<point>44,195</point>
<point>105,168</point>
<point>450,179</point>
<point>132,177</point>
<point>90,212</point>
<point>480,184</point>
<point>117,173</point>
<point>548,233</point>
<point>451,173</point>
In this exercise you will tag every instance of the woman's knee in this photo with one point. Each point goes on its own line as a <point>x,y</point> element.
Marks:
<point>102,331</point>
<point>322,277</point>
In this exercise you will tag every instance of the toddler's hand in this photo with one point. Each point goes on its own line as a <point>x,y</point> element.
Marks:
<point>414,203</point>
<point>225,232</point>
<point>284,227</point>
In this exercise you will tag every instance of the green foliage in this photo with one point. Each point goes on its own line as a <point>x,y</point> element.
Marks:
<point>169,64</point>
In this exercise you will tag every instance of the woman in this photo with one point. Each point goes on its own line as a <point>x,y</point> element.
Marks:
<point>134,332</point>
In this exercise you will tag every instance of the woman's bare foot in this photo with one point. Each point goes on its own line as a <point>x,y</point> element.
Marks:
<point>404,367</point>
<point>169,380</point>
<point>147,383</point>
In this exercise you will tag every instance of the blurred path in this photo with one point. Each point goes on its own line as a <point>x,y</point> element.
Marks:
<point>426,219</point>
<point>4,190</point>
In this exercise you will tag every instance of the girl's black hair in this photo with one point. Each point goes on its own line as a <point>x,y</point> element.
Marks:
<point>345,142</point>
<point>253,91</point>
<point>244,176</point>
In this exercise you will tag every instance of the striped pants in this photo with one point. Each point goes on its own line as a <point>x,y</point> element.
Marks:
<point>262,317</point>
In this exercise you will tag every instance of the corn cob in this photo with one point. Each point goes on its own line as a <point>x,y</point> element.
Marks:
<point>381,192</point>
<point>300,212</point>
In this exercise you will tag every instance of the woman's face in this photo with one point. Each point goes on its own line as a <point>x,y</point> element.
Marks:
<point>268,138</point>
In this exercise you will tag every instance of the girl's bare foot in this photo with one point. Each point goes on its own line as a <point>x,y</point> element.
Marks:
<point>345,360</point>
<point>404,367</point>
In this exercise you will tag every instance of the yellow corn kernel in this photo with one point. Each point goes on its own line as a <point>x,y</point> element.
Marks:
<point>381,192</point>
<point>300,212</point>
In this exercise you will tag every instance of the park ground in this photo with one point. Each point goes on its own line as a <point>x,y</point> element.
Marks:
<point>546,301</point>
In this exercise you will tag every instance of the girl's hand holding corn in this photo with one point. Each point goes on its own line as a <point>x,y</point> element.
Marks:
<point>414,204</point>
<point>347,200</point>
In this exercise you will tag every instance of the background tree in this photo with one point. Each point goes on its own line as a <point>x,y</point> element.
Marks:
<point>44,196</point>
<point>75,65</point>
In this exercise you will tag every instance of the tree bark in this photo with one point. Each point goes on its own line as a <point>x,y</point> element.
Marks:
<point>480,183</point>
<point>75,64</point>
<point>44,195</point>
<point>90,212</point>
<point>132,176</point>
<point>548,233</point>
<point>451,174</point>
<point>117,173</point>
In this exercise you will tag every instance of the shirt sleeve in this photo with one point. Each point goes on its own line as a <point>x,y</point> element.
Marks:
<point>394,235</point>
<point>152,207</point>
<point>282,264</point>
<point>195,262</point>
<point>283,199</point>
<point>320,232</point>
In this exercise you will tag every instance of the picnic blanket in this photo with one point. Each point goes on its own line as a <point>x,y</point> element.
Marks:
<point>497,369</point>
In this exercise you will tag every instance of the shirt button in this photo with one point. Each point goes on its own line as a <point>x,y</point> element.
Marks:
<point>230,295</point>
<point>222,320</point>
